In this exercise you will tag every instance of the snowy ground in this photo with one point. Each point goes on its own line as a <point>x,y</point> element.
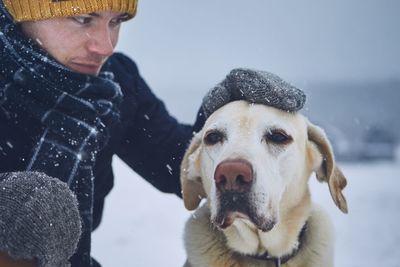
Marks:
<point>143,227</point>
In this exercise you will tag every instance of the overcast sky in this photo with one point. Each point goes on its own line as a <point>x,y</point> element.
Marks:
<point>193,44</point>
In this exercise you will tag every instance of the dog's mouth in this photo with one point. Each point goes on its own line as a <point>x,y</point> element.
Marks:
<point>234,205</point>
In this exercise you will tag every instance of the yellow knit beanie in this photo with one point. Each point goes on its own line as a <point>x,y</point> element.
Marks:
<point>24,10</point>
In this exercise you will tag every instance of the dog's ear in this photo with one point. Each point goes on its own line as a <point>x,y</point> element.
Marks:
<point>325,165</point>
<point>192,186</point>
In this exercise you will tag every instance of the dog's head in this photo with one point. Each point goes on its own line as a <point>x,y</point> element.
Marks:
<point>249,157</point>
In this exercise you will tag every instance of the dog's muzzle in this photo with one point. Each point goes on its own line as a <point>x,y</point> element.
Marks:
<point>234,181</point>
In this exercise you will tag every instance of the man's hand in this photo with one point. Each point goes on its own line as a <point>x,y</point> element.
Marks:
<point>39,220</point>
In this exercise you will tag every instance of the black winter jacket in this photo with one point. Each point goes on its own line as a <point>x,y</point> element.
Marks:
<point>147,138</point>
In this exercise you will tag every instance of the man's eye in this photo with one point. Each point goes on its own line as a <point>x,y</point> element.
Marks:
<point>82,20</point>
<point>118,21</point>
<point>213,137</point>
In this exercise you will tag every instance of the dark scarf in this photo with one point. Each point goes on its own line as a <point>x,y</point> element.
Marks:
<point>72,111</point>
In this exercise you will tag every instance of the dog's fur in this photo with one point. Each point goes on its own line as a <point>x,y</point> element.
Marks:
<point>276,207</point>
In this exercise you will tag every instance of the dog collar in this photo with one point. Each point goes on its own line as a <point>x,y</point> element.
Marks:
<point>285,258</point>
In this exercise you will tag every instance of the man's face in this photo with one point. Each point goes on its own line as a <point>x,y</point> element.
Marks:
<point>82,43</point>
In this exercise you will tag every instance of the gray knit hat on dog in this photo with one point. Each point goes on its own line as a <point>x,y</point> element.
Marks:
<point>39,219</point>
<point>255,86</point>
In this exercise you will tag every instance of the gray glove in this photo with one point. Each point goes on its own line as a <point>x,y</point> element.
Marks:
<point>39,219</point>
<point>255,86</point>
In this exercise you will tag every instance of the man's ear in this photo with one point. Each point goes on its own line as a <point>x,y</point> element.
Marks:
<point>192,186</point>
<point>325,165</point>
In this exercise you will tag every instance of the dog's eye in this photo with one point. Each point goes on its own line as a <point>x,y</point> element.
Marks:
<point>278,137</point>
<point>213,137</point>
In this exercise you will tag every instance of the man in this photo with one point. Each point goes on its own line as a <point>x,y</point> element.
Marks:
<point>68,103</point>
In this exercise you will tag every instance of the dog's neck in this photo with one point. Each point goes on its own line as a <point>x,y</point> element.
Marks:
<point>285,258</point>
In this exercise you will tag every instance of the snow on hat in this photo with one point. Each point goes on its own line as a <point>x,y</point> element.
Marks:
<point>24,10</point>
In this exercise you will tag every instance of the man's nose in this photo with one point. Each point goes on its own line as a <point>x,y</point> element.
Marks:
<point>101,42</point>
<point>234,176</point>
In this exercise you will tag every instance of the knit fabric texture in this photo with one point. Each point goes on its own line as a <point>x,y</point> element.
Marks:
<point>72,111</point>
<point>39,218</point>
<point>26,10</point>
<point>254,86</point>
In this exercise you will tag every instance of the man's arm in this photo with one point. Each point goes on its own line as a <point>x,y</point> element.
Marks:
<point>154,142</point>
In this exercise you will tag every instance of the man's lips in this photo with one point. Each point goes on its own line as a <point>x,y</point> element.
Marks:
<point>86,68</point>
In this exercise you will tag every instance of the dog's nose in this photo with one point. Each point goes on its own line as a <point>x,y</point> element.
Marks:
<point>233,176</point>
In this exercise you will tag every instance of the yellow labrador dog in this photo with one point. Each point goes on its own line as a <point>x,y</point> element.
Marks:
<point>252,164</point>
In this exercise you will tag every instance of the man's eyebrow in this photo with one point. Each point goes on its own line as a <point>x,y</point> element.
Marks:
<point>121,16</point>
<point>94,14</point>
